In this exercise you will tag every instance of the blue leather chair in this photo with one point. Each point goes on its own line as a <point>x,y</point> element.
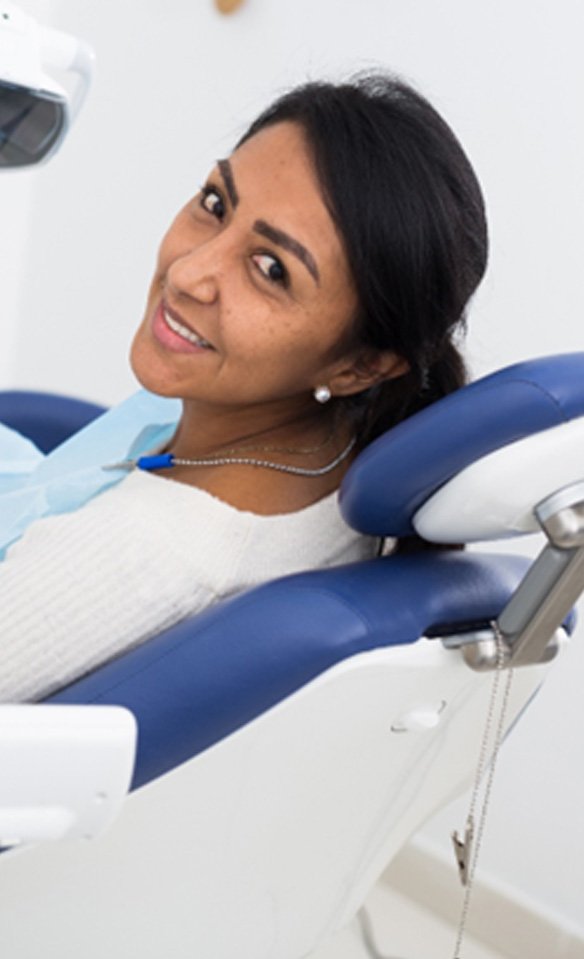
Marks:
<point>46,418</point>
<point>291,739</point>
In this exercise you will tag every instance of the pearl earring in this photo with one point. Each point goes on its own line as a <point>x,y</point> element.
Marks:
<point>322,394</point>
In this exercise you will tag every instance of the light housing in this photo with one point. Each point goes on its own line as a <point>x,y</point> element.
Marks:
<point>35,110</point>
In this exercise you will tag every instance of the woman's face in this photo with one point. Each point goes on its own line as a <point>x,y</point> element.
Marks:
<point>252,293</point>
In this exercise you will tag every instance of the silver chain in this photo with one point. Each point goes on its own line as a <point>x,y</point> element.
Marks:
<point>471,849</point>
<point>472,854</point>
<point>296,450</point>
<point>268,464</point>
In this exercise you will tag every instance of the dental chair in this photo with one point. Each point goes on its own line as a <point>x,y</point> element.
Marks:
<point>291,739</point>
<point>46,418</point>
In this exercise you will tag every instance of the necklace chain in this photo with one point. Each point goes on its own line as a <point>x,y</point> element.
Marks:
<point>298,450</point>
<point>267,464</point>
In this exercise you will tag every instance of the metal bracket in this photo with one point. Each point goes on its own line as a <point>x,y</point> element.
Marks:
<point>530,625</point>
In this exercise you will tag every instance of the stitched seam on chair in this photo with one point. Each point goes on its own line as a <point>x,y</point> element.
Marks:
<point>541,389</point>
<point>323,591</point>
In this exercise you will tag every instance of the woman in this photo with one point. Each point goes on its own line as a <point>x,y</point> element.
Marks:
<point>303,302</point>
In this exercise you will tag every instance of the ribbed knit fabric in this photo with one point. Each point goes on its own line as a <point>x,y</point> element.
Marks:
<point>82,587</point>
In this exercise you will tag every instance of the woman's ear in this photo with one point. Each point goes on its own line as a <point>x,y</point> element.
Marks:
<point>365,370</point>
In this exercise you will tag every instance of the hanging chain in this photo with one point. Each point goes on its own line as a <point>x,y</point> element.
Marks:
<point>467,851</point>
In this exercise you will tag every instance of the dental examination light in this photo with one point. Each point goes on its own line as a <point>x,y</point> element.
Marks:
<point>35,110</point>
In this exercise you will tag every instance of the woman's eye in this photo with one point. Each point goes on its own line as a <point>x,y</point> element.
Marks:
<point>270,267</point>
<point>212,202</point>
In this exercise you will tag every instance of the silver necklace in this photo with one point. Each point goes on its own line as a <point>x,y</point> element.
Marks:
<point>169,460</point>
<point>296,450</point>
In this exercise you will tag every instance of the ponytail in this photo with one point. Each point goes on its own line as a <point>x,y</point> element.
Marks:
<point>392,401</point>
<point>395,400</point>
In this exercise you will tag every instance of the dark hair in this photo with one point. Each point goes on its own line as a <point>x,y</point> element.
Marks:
<point>411,214</point>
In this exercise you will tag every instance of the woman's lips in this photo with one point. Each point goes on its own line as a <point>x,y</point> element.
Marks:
<point>174,334</point>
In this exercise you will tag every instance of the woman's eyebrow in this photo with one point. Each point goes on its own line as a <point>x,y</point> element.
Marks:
<point>288,243</point>
<point>227,174</point>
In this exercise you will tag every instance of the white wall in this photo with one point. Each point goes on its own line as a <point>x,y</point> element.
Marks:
<point>176,83</point>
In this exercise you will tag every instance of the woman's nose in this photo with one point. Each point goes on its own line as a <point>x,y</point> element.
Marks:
<point>197,272</point>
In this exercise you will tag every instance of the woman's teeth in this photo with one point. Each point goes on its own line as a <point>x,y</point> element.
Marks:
<point>184,331</point>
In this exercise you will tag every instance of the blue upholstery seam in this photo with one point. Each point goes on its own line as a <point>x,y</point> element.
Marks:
<point>537,386</point>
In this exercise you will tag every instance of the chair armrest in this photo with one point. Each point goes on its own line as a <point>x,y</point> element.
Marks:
<point>65,770</point>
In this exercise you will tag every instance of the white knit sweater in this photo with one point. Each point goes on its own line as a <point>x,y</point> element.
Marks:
<point>81,587</point>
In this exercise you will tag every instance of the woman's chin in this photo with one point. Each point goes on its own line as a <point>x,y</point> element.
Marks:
<point>150,372</point>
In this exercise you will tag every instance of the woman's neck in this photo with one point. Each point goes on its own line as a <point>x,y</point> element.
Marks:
<point>202,431</point>
<point>309,438</point>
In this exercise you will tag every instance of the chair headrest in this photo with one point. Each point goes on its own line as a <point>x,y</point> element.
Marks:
<point>400,471</point>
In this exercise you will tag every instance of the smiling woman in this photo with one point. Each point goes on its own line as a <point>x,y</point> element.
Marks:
<point>248,313</point>
<point>302,302</point>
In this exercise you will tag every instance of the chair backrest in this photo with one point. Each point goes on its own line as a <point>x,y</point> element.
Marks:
<point>209,676</point>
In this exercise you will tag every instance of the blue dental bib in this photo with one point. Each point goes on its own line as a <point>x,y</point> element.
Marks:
<point>34,485</point>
